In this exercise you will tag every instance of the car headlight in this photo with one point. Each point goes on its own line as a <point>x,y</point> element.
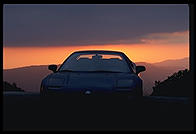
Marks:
<point>125,84</point>
<point>56,82</point>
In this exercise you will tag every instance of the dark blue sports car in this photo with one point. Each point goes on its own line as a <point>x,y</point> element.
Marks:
<point>94,72</point>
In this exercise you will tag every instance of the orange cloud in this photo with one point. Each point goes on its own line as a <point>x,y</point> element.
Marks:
<point>175,38</point>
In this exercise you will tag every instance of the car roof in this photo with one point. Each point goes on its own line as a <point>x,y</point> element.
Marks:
<point>100,51</point>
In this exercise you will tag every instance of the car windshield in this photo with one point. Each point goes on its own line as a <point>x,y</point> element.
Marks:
<point>95,63</point>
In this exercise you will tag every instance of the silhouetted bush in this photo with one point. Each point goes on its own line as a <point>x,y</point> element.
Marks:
<point>178,84</point>
<point>11,87</point>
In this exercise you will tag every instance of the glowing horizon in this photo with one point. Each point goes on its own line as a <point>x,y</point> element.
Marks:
<point>153,48</point>
<point>14,57</point>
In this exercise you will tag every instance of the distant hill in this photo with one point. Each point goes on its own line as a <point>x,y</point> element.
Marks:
<point>184,63</point>
<point>29,78</point>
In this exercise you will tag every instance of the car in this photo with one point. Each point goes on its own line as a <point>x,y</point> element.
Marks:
<point>94,72</point>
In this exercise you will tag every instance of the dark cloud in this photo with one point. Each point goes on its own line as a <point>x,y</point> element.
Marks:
<point>47,25</point>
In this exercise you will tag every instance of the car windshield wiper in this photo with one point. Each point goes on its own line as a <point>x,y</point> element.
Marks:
<point>66,70</point>
<point>104,71</point>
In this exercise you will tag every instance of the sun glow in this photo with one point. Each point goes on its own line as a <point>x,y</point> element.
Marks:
<point>25,56</point>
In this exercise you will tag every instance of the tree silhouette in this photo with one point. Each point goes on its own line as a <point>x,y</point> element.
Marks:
<point>178,84</point>
<point>14,85</point>
<point>11,87</point>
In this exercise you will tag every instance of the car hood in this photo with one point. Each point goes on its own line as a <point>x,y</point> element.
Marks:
<point>87,81</point>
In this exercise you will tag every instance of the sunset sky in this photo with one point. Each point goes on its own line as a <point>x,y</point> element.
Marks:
<point>47,34</point>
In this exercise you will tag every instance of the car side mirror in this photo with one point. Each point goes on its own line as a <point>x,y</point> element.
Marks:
<point>140,69</point>
<point>52,67</point>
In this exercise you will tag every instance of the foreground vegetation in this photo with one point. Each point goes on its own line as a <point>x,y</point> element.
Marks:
<point>11,87</point>
<point>178,84</point>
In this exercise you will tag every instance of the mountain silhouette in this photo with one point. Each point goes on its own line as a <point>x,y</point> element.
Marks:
<point>174,63</point>
<point>29,77</point>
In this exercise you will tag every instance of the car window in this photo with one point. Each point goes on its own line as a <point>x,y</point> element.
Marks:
<point>95,62</point>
